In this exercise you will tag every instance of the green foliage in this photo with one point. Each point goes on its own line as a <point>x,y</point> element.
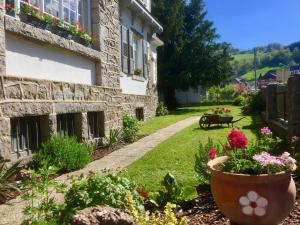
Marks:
<point>161,109</point>
<point>170,191</point>
<point>228,92</point>
<point>190,56</point>
<point>42,208</point>
<point>254,103</point>
<point>5,183</point>
<point>201,159</point>
<point>114,137</point>
<point>64,153</point>
<point>97,189</point>
<point>239,100</point>
<point>130,128</point>
<point>147,218</point>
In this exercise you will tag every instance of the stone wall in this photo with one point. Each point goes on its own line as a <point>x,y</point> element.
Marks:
<point>21,97</point>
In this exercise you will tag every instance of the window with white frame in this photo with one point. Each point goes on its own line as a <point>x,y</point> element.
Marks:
<point>72,11</point>
<point>134,51</point>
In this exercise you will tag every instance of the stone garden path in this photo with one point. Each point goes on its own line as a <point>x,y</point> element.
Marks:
<point>11,214</point>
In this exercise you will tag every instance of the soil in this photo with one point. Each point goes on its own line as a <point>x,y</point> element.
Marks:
<point>203,211</point>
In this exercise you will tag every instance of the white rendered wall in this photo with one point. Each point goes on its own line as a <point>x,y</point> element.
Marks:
<point>130,86</point>
<point>190,96</point>
<point>28,59</point>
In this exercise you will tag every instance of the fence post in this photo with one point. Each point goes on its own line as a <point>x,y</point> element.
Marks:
<point>271,102</point>
<point>294,106</point>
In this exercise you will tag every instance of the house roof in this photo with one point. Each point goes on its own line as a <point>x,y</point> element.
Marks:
<point>142,12</point>
<point>269,75</point>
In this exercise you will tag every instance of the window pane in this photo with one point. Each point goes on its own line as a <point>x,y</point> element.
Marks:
<point>80,2</point>
<point>72,16</point>
<point>73,5</point>
<point>34,2</point>
<point>66,14</point>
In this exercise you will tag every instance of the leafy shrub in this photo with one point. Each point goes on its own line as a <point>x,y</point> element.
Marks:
<point>5,183</point>
<point>227,93</point>
<point>45,211</point>
<point>145,218</point>
<point>169,191</point>
<point>239,100</point>
<point>161,110</point>
<point>114,137</point>
<point>130,128</point>
<point>202,157</point>
<point>254,103</point>
<point>64,153</point>
<point>110,190</point>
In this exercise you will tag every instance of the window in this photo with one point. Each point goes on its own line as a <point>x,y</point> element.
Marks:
<point>134,52</point>
<point>95,124</point>
<point>71,11</point>
<point>137,52</point>
<point>65,124</point>
<point>139,113</point>
<point>25,134</point>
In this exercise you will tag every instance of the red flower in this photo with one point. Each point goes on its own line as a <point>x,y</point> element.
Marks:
<point>8,6</point>
<point>237,139</point>
<point>212,153</point>
<point>41,13</point>
<point>142,193</point>
<point>227,147</point>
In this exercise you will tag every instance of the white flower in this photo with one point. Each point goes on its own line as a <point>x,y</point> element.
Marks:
<point>253,204</point>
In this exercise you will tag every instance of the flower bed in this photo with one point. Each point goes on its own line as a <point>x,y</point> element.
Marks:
<point>31,15</point>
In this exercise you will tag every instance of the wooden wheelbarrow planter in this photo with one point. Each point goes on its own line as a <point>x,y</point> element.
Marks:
<point>217,119</point>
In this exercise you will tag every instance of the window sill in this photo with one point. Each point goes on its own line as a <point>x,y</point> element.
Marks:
<point>138,78</point>
<point>31,32</point>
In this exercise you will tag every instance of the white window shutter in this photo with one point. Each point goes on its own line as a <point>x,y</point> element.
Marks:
<point>131,58</point>
<point>125,49</point>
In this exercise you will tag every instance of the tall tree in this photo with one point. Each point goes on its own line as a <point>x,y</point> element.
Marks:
<point>190,56</point>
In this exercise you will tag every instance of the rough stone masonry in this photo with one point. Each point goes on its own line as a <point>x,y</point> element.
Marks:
<point>27,97</point>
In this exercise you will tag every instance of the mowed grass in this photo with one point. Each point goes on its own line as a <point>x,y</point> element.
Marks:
<point>177,154</point>
<point>160,122</point>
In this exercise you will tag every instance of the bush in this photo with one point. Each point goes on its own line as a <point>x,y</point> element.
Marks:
<point>161,110</point>
<point>110,190</point>
<point>114,137</point>
<point>227,93</point>
<point>64,153</point>
<point>130,128</point>
<point>201,160</point>
<point>170,192</point>
<point>239,101</point>
<point>254,102</point>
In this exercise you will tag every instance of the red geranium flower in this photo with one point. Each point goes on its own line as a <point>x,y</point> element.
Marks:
<point>212,153</point>
<point>237,139</point>
<point>142,192</point>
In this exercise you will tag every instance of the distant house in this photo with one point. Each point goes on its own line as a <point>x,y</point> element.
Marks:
<point>283,74</point>
<point>268,78</point>
<point>193,95</point>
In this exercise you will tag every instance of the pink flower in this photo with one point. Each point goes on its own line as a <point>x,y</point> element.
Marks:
<point>212,153</point>
<point>266,131</point>
<point>237,139</point>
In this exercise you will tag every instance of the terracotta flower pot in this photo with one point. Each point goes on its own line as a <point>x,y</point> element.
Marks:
<point>252,200</point>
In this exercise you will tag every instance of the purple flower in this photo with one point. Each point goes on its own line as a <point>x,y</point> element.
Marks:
<point>266,131</point>
<point>265,159</point>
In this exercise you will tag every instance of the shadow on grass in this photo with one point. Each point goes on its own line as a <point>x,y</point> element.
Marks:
<point>183,111</point>
<point>213,127</point>
<point>256,123</point>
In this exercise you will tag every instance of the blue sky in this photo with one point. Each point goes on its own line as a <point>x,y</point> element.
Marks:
<point>250,23</point>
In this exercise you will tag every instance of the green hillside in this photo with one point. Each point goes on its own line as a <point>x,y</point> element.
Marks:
<point>244,57</point>
<point>249,76</point>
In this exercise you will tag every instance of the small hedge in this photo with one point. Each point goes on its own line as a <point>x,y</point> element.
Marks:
<point>64,153</point>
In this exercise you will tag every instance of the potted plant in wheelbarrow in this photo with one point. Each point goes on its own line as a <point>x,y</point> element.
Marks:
<point>250,185</point>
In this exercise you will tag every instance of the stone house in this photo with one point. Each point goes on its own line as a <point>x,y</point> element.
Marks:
<point>54,82</point>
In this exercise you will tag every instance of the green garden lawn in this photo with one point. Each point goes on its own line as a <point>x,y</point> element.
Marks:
<point>160,122</point>
<point>177,154</point>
